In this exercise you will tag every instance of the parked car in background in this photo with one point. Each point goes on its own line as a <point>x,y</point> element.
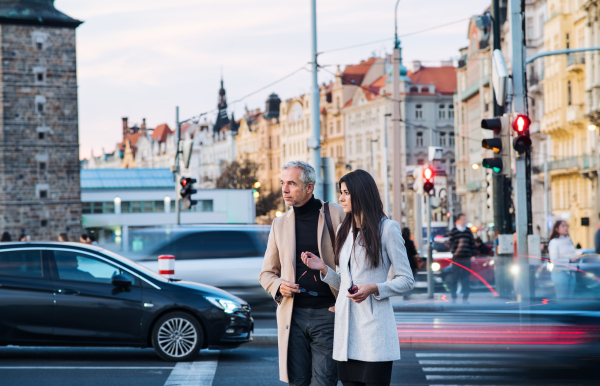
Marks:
<point>227,257</point>
<point>70,294</point>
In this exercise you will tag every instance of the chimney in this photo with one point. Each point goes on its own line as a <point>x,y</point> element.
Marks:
<point>125,129</point>
<point>143,127</point>
<point>416,65</point>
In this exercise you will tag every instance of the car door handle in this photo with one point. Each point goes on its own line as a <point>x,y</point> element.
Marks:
<point>67,292</point>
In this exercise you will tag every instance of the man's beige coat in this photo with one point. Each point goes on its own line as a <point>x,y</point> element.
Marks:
<point>280,264</point>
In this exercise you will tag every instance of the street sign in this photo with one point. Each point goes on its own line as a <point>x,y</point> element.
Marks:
<point>499,76</point>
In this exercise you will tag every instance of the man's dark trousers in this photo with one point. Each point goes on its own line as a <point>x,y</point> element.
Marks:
<point>462,275</point>
<point>310,348</point>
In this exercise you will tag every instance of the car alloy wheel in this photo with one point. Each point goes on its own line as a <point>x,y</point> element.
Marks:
<point>177,337</point>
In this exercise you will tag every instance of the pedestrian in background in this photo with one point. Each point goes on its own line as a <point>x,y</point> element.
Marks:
<point>92,240</point>
<point>367,246</point>
<point>63,238</point>
<point>23,238</point>
<point>305,319</point>
<point>84,239</point>
<point>5,237</point>
<point>413,256</point>
<point>562,252</point>
<point>462,246</point>
<point>481,248</point>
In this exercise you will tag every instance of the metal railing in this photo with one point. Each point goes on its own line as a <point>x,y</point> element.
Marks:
<point>576,58</point>
<point>579,162</point>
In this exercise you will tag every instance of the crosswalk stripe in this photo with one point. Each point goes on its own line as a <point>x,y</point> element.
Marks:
<point>470,369</point>
<point>469,377</point>
<point>468,355</point>
<point>459,362</point>
<point>200,373</point>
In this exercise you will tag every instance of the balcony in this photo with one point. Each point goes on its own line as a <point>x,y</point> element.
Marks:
<point>575,115</point>
<point>583,163</point>
<point>576,62</point>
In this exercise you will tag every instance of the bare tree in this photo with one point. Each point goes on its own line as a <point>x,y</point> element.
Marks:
<point>238,175</point>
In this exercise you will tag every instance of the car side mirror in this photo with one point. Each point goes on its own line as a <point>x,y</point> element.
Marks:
<point>121,281</point>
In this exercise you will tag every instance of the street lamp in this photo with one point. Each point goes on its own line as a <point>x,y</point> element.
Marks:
<point>257,185</point>
<point>475,166</point>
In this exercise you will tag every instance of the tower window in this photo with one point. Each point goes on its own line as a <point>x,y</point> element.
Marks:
<point>43,194</point>
<point>40,107</point>
<point>39,46</point>
<point>42,166</point>
<point>41,135</point>
<point>40,76</point>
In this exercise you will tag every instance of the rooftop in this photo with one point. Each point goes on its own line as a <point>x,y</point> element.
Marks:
<point>126,178</point>
<point>444,78</point>
<point>34,12</point>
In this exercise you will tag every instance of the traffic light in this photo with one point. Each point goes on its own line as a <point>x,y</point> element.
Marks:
<point>499,144</point>
<point>427,179</point>
<point>418,183</point>
<point>521,125</point>
<point>187,189</point>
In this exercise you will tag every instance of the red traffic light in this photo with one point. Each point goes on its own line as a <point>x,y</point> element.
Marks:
<point>428,173</point>
<point>521,123</point>
<point>184,182</point>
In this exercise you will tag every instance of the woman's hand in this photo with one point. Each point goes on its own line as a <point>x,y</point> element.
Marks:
<point>313,262</point>
<point>364,291</point>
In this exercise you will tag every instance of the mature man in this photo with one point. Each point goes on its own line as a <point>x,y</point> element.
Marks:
<point>304,319</point>
<point>462,246</point>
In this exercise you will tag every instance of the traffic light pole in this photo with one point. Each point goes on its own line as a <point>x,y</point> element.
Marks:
<point>430,283</point>
<point>518,76</point>
<point>176,171</point>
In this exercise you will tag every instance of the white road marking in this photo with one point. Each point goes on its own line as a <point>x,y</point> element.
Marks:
<point>438,363</point>
<point>199,373</point>
<point>271,359</point>
<point>84,368</point>
<point>470,369</point>
<point>469,377</point>
<point>463,355</point>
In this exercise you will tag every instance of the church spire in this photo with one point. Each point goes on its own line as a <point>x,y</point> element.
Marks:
<point>222,118</point>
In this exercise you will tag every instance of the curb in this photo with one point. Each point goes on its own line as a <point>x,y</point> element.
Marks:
<point>264,337</point>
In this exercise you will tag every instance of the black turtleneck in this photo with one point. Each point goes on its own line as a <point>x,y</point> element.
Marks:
<point>307,220</point>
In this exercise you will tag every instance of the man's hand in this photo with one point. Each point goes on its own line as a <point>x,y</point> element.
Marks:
<point>287,289</point>
<point>363,292</point>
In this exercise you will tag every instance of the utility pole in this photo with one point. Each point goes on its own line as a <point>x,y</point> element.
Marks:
<point>176,171</point>
<point>519,102</point>
<point>387,177</point>
<point>314,143</point>
<point>397,138</point>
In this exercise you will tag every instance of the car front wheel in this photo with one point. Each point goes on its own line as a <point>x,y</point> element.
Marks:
<point>177,337</point>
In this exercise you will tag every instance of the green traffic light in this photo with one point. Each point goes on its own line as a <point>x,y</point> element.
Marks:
<point>492,163</point>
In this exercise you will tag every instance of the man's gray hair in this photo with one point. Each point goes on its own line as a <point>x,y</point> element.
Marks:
<point>308,172</point>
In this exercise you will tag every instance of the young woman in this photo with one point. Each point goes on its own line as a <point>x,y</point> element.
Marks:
<point>562,252</point>
<point>367,244</point>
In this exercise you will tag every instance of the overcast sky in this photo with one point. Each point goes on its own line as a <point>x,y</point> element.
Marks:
<point>141,58</point>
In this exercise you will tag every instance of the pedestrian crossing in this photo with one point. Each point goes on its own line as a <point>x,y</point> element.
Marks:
<point>472,368</point>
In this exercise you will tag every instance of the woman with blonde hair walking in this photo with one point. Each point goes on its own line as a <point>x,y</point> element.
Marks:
<point>367,245</point>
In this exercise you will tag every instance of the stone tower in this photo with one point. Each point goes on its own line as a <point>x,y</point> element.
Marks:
<point>40,193</point>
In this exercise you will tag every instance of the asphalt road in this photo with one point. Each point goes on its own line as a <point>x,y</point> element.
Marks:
<point>258,366</point>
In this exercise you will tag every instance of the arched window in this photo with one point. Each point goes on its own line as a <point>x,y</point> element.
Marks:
<point>414,89</point>
<point>424,89</point>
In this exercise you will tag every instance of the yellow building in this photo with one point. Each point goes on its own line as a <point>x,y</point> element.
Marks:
<point>258,140</point>
<point>572,193</point>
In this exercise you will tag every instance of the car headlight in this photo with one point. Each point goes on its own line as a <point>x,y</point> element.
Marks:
<point>435,267</point>
<point>228,306</point>
<point>514,269</point>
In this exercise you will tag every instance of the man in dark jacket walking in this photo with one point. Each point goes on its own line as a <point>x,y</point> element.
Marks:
<point>462,246</point>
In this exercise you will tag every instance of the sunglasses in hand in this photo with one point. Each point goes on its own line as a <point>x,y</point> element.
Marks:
<point>352,290</point>
<point>311,293</point>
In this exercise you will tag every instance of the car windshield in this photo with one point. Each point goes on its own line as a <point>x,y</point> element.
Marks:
<point>136,266</point>
<point>439,246</point>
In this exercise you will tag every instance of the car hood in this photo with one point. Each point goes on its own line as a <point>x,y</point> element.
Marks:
<point>207,290</point>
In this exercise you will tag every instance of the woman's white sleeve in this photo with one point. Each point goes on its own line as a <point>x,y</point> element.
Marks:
<point>332,278</point>
<point>403,280</point>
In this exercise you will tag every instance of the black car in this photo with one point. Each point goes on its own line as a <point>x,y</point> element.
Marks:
<point>68,294</point>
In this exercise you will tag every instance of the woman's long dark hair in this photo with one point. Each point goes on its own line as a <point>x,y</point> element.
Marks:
<point>555,234</point>
<point>366,205</point>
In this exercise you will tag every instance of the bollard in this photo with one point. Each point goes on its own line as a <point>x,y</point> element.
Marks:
<point>166,265</point>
